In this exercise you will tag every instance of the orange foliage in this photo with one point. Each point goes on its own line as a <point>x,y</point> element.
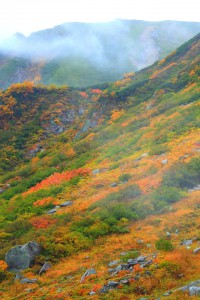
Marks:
<point>116,114</point>
<point>57,178</point>
<point>188,88</point>
<point>96,91</point>
<point>137,268</point>
<point>83,94</point>
<point>44,201</point>
<point>131,74</point>
<point>149,183</point>
<point>42,222</point>
<point>3,265</point>
<point>123,82</point>
<point>192,73</point>
<point>158,72</point>
<point>25,88</point>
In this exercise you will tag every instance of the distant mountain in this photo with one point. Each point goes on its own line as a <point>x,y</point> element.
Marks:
<point>84,54</point>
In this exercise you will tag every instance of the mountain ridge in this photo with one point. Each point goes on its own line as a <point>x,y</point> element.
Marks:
<point>84,54</point>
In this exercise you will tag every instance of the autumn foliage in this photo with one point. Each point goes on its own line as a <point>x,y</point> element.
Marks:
<point>40,222</point>
<point>58,178</point>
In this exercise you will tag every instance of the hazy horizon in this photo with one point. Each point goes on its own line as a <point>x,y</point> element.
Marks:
<point>26,16</point>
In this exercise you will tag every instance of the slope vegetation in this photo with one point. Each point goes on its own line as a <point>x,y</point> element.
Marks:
<point>107,175</point>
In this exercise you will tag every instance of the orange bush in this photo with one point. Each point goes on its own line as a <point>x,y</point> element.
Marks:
<point>42,222</point>
<point>57,178</point>
<point>3,265</point>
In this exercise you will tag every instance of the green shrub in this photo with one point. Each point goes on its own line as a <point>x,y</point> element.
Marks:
<point>164,245</point>
<point>170,267</point>
<point>158,149</point>
<point>124,177</point>
<point>184,175</point>
<point>167,194</point>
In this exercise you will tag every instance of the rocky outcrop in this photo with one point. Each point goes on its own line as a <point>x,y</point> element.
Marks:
<point>88,273</point>
<point>22,256</point>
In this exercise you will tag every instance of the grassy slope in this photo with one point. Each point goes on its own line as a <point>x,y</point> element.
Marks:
<point>155,112</point>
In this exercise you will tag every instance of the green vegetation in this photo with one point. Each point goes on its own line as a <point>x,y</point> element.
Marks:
<point>164,245</point>
<point>121,130</point>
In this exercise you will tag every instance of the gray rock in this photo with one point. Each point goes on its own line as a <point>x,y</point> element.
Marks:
<point>22,256</point>
<point>141,258</point>
<point>117,270</point>
<point>27,280</point>
<point>113,283</point>
<point>18,276</point>
<point>45,267</point>
<point>137,159</point>
<point>194,291</point>
<point>139,241</point>
<point>146,263</point>
<point>99,186</point>
<point>34,151</point>
<point>186,242</point>
<point>186,287</point>
<point>95,172</point>
<point>51,211</point>
<point>81,111</point>
<point>114,184</point>
<point>167,294</point>
<point>197,250</point>
<point>124,281</point>
<point>164,161</point>
<point>113,263</point>
<point>67,203</point>
<point>28,290</point>
<point>2,190</point>
<point>145,154</point>
<point>92,293</point>
<point>88,273</point>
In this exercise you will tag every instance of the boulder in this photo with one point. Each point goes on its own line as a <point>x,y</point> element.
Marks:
<point>52,211</point>
<point>188,286</point>
<point>194,291</point>
<point>186,242</point>
<point>113,263</point>
<point>96,171</point>
<point>114,184</point>
<point>22,256</point>
<point>164,161</point>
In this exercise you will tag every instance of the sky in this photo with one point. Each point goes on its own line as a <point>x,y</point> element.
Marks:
<point>26,16</point>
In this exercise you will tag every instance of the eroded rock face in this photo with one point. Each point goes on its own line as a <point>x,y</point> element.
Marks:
<point>22,256</point>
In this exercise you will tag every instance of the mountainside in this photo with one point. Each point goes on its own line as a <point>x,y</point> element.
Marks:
<point>81,54</point>
<point>106,180</point>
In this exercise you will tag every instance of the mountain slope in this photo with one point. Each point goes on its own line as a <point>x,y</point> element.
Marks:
<point>127,163</point>
<point>80,54</point>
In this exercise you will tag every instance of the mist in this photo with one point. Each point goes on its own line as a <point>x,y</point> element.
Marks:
<point>117,46</point>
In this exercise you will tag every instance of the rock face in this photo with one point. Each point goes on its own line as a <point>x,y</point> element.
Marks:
<point>22,256</point>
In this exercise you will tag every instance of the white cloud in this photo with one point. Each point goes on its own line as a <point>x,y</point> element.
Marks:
<point>27,16</point>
